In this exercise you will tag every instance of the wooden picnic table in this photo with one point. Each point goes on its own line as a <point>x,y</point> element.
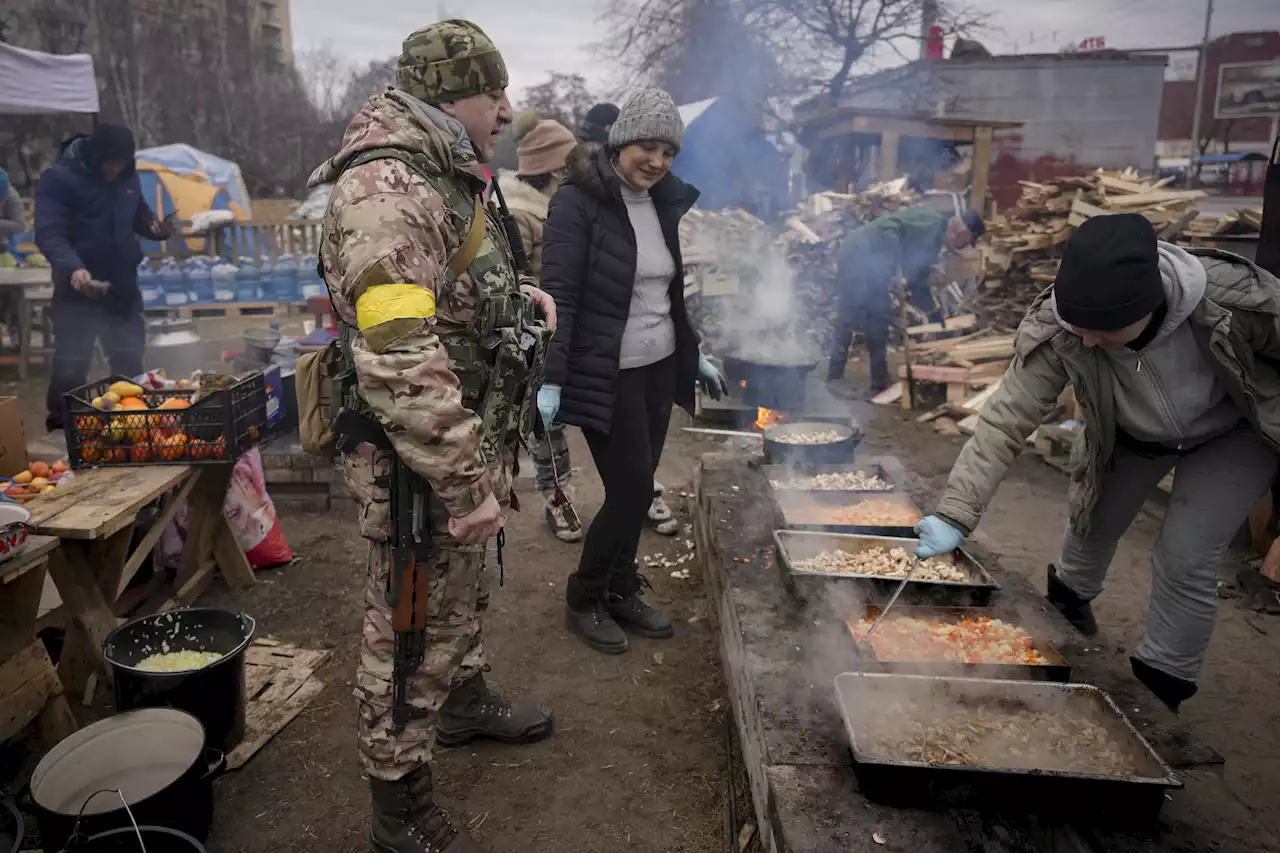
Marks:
<point>20,287</point>
<point>29,685</point>
<point>95,514</point>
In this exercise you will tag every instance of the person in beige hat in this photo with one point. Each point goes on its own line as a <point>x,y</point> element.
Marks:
<point>543,148</point>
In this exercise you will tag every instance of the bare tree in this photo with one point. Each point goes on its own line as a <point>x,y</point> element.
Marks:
<point>562,97</point>
<point>363,83</point>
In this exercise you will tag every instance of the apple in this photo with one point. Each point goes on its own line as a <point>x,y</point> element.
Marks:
<point>60,467</point>
<point>56,476</point>
<point>39,469</point>
<point>40,481</point>
<point>48,488</point>
<point>23,477</point>
<point>15,490</point>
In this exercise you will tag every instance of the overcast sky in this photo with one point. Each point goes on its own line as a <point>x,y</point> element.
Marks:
<point>540,36</point>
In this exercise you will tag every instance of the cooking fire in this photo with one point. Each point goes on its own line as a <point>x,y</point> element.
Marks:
<point>766,418</point>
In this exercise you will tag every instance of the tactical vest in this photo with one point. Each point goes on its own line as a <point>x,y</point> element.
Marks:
<point>499,357</point>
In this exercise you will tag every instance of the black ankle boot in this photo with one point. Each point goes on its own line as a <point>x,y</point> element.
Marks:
<point>1169,689</point>
<point>1078,611</point>
<point>406,819</point>
<point>630,610</point>
<point>593,624</point>
<point>475,710</point>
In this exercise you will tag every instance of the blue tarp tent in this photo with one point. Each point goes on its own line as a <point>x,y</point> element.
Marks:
<point>728,157</point>
<point>181,180</point>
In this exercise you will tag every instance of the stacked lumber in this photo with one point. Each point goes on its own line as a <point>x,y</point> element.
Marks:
<point>1021,248</point>
<point>1244,220</point>
<point>964,365</point>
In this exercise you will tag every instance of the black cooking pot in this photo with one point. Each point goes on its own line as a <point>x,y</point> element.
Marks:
<point>156,758</point>
<point>143,839</point>
<point>773,385</point>
<point>780,452</point>
<point>11,827</point>
<point>215,694</point>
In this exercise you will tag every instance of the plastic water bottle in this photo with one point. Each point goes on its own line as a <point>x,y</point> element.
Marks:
<point>223,277</point>
<point>200,280</point>
<point>312,284</point>
<point>247,280</point>
<point>174,285</point>
<point>149,285</point>
<point>284,280</point>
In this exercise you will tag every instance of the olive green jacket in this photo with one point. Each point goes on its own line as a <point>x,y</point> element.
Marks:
<point>1236,324</point>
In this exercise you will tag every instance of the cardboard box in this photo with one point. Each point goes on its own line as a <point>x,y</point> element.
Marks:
<point>275,394</point>
<point>13,440</point>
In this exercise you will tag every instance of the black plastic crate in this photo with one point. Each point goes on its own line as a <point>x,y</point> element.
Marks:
<point>217,428</point>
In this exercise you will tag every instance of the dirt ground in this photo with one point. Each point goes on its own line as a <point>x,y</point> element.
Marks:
<point>636,757</point>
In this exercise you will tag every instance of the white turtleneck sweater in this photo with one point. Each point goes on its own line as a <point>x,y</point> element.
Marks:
<point>650,335</point>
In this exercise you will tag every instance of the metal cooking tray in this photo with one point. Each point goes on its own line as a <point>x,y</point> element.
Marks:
<point>793,545</point>
<point>782,473</point>
<point>1092,798</point>
<point>795,504</point>
<point>1057,668</point>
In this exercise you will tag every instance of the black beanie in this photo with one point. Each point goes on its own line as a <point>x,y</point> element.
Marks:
<point>1110,274</point>
<point>111,142</point>
<point>596,123</point>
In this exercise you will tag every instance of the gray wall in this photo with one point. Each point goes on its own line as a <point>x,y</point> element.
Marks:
<point>1096,112</point>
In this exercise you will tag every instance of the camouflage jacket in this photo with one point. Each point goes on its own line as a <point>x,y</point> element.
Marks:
<point>386,224</point>
<point>529,207</point>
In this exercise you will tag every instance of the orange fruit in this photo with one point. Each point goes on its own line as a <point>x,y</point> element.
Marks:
<point>176,403</point>
<point>140,453</point>
<point>132,403</point>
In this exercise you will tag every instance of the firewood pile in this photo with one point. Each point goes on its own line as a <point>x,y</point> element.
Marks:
<point>1022,246</point>
<point>1244,220</point>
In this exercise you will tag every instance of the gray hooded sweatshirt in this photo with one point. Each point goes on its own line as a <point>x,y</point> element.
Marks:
<point>1167,393</point>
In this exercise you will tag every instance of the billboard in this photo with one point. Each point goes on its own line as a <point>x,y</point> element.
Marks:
<point>1248,90</point>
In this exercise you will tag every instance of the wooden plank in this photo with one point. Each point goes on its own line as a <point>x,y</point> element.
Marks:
<point>934,373</point>
<point>38,548</point>
<point>959,323</point>
<point>1153,197</point>
<point>145,547</point>
<point>20,609</point>
<point>889,396</point>
<point>975,403</point>
<point>1122,186</point>
<point>102,501</point>
<point>284,656</point>
<point>72,572</point>
<point>109,556</point>
<point>27,680</point>
<point>256,678</point>
<point>265,718</point>
<point>969,424</point>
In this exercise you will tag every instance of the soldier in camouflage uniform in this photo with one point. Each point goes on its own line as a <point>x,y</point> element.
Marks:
<point>404,199</point>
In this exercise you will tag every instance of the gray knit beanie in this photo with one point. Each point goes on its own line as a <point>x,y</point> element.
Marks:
<point>649,115</point>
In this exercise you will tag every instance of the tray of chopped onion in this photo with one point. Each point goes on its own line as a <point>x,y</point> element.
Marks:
<point>877,564</point>
<point>970,641</point>
<point>870,514</point>
<point>851,481</point>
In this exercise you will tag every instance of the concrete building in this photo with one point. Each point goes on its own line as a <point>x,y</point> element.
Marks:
<point>1248,135</point>
<point>1077,111</point>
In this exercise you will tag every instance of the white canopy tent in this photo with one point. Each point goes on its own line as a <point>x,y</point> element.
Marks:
<point>34,83</point>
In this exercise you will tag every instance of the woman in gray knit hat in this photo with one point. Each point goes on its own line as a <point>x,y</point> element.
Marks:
<point>625,351</point>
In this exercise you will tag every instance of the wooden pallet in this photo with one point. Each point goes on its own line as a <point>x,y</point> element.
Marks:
<point>279,684</point>
<point>229,309</point>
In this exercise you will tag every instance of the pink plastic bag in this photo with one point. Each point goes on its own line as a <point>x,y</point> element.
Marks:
<point>250,513</point>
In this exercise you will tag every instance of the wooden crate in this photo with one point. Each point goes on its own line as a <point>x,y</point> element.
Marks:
<point>279,684</point>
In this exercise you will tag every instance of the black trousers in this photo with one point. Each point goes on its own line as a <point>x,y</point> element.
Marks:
<point>77,324</point>
<point>626,459</point>
<point>865,306</point>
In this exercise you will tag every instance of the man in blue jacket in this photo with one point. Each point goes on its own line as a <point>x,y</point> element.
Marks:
<point>867,267</point>
<point>89,215</point>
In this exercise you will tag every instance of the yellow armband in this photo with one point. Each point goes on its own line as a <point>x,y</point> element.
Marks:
<point>383,303</point>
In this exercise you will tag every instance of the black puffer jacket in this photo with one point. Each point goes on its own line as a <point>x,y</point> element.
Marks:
<point>589,268</point>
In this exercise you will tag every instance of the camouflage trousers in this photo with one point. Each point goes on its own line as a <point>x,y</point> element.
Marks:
<point>543,452</point>
<point>459,596</point>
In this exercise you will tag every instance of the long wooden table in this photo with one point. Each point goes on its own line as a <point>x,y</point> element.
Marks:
<point>95,516</point>
<point>29,685</point>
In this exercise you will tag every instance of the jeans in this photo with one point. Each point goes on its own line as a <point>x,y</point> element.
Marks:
<point>626,458</point>
<point>77,325</point>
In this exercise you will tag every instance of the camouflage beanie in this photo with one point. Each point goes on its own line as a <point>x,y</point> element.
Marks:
<point>449,61</point>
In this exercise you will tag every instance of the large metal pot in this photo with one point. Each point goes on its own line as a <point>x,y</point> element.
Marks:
<point>773,385</point>
<point>215,694</point>
<point>156,757</point>
<point>778,451</point>
<point>142,839</point>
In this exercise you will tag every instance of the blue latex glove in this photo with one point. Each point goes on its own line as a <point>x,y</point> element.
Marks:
<point>937,537</point>
<point>548,403</point>
<point>711,379</point>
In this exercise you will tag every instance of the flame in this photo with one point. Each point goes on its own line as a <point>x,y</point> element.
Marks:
<point>766,418</point>
<point>742,384</point>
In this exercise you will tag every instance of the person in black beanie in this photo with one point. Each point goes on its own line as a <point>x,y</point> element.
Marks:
<point>1174,356</point>
<point>89,215</point>
<point>597,122</point>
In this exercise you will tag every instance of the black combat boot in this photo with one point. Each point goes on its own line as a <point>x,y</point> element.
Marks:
<point>593,624</point>
<point>474,710</point>
<point>628,608</point>
<point>1169,689</point>
<point>1077,610</point>
<point>406,819</point>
